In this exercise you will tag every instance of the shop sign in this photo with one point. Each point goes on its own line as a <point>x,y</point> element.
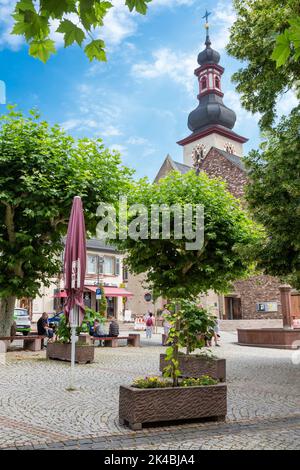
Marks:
<point>266,307</point>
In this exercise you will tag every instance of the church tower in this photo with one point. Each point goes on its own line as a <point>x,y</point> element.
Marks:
<point>211,123</point>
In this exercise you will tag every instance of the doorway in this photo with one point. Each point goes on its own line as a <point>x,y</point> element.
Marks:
<point>295,305</point>
<point>233,308</point>
<point>111,306</point>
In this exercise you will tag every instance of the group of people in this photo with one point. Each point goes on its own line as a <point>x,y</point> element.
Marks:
<point>98,329</point>
<point>44,328</point>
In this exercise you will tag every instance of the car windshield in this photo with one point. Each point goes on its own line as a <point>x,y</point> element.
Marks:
<point>20,312</point>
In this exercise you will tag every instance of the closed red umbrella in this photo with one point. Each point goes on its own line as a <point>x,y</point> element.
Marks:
<point>75,260</point>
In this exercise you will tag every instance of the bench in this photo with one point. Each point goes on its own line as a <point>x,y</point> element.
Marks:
<point>112,341</point>
<point>31,343</point>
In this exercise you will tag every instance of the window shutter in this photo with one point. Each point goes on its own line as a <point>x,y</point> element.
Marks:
<point>117,266</point>
<point>101,264</point>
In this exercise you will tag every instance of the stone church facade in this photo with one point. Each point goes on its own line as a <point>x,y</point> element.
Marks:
<point>215,148</point>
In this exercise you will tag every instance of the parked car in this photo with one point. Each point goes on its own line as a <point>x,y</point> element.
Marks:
<point>55,319</point>
<point>22,319</point>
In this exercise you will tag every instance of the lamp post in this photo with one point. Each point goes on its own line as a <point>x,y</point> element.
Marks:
<point>100,262</point>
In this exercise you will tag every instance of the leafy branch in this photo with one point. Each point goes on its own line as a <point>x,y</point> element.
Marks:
<point>78,22</point>
<point>288,44</point>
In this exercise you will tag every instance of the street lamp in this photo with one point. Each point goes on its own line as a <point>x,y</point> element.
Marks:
<point>100,262</point>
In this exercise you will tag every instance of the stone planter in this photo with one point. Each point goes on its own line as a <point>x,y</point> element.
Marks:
<point>269,337</point>
<point>195,366</point>
<point>62,352</point>
<point>162,405</point>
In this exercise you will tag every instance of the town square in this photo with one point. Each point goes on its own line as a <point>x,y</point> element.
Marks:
<point>149,235</point>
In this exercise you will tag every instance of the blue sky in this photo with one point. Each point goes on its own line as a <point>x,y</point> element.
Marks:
<point>138,102</point>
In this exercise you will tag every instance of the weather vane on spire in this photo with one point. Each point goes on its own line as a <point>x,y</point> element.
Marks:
<point>207,14</point>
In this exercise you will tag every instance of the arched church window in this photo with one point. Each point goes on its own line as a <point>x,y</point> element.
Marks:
<point>217,82</point>
<point>203,83</point>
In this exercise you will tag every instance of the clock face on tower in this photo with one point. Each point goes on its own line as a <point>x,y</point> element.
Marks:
<point>199,153</point>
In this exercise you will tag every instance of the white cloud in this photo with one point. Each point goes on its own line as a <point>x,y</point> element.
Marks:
<point>286,103</point>
<point>6,23</point>
<point>94,116</point>
<point>167,63</point>
<point>223,18</point>
<point>137,141</point>
<point>232,100</point>
<point>119,23</point>
<point>119,148</point>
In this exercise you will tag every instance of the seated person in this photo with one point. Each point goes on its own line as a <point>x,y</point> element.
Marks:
<point>113,327</point>
<point>43,328</point>
<point>98,330</point>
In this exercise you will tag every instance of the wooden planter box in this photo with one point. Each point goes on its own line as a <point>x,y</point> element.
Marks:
<point>161,405</point>
<point>62,352</point>
<point>195,366</point>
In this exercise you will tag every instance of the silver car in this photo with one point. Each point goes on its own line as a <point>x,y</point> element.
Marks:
<point>22,319</point>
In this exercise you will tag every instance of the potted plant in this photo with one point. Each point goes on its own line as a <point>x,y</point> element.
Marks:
<point>61,348</point>
<point>196,324</point>
<point>153,399</point>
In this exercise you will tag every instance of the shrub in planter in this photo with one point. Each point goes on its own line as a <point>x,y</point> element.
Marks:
<point>154,399</point>
<point>61,349</point>
<point>195,324</point>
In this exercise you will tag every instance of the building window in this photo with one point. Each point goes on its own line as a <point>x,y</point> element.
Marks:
<point>125,273</point>
<point>203,83</point>
<point>217,82</point>
<point>92,264</point>
<point>109,265</point>
<point>117,266</point>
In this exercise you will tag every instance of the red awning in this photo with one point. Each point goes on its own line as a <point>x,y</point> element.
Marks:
<point>111,291</point>
<point>60,295</point>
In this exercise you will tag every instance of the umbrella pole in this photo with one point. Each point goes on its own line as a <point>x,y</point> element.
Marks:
<point>73,343</point>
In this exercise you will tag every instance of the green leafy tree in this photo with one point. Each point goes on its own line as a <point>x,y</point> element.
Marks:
<point>41,170</point>
<point>288,44</point>
<point>78,22</point>
<point>259,27</point>
<point>172,269</point>
<point>273,195</point>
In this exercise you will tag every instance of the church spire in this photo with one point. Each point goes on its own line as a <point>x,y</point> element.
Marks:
<point>211,122</point>
<point>211,109</point>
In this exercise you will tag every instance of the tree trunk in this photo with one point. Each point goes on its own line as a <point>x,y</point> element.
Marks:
<point>7,306</point>
<point>176,348</point>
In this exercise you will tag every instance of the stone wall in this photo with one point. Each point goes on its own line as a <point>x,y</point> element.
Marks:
<point>217,166</point>
<point>258,289</point>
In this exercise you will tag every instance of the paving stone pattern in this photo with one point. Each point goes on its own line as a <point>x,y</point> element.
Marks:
<point>36,410</point>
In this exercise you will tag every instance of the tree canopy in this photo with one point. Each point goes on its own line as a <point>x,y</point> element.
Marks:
<point>41,170</point>
<point>254,35</point>
<point>273,195</point>
<point>172,269</point>
<point>78,21</point>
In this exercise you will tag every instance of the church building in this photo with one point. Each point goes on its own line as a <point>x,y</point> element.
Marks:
<point>213,146</point>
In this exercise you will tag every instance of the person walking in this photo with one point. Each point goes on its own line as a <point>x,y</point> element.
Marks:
<point>149,325</point>
<point>166,325</point>
<point>217,331</point>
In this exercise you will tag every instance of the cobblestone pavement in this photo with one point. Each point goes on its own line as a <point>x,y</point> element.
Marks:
<point>36,410</point>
